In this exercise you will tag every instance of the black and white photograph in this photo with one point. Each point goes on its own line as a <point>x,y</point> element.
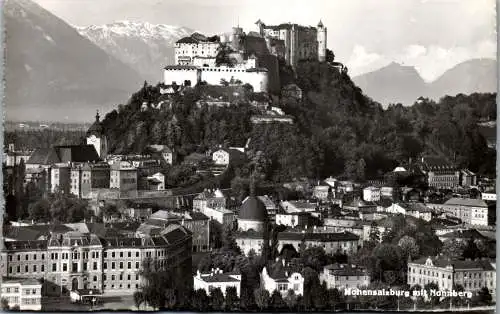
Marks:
<point>249,155</point>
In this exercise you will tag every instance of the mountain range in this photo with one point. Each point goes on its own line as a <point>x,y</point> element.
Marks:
<point>53,73</point>
<point>144,46</point>
<point>396,83</point>
<point>57,72</point>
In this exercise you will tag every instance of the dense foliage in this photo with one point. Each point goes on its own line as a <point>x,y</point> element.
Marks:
<point>337,130</point>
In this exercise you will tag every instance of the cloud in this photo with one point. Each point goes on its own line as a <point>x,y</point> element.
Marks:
<point>430,61</point>
<point>362,61</point>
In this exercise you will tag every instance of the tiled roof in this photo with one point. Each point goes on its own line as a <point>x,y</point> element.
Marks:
<point>346,270</point>
<point>472,202</point>
<point>224,277</point>
<point>44,156</point>
<point>187,40</point>
<point>77,153</point>
<point>22,281</point>
<point>181,67</point>
<point>457,264</point>
<point>464,234</point>
<point>26,245</point>
<point>21,233</point>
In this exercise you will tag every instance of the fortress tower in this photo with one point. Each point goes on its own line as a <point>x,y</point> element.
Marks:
<point>321,42</point>
<point>96,137</point>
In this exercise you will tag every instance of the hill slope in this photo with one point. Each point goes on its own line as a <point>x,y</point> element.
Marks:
<point>473,76</point>
<point>392,84</point>
<point>143,46</point>
<point>53,73</point>
<point>402,84</point>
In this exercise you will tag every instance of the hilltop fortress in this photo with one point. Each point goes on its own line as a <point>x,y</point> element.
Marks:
<point>246,58</point>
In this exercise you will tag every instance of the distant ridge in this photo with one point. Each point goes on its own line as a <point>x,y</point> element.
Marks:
<point>396,83</point>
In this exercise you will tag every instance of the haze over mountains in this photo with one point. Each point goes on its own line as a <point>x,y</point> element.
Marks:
<point>396,83</point>
<point>55,74</point>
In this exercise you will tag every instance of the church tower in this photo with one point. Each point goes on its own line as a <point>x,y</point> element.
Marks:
<point>96,137</point>
<point>321,42</point>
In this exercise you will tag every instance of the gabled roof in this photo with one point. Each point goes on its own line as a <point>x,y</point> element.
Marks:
<point>26,245</point>
<point>470,202</point>
<point>459,265</point>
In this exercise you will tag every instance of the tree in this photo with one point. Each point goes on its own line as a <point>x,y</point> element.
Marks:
<point>291,300</point>
<point>4,304</point>
<point>330,56</point>
<point>216,299</point>
<point>262,298</point>
<point>482,297</point>
<point>277,302</point>
<point>453,248</point>
<point>409,247</point>
<point>231,299</point>
<point>200,300</point>
<point>434,300</point>
<point>471,250</point>
<point>374,233</point>
<point>170,299</point>
<point>138,299</point>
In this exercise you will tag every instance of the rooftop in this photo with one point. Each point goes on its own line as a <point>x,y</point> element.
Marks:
<point>470,202</point>
<point>442,262</point>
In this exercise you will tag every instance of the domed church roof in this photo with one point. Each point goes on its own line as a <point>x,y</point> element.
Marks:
<point>96,128</point>
<point>253,209</point>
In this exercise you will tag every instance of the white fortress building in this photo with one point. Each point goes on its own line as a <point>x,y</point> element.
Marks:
<point>196,55</point>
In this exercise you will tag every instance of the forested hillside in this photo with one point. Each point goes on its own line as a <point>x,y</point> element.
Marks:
<point>337,130</point>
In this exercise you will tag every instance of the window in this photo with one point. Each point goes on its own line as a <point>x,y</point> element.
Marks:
<point>121,277</point>
<point>129,265</point>
<point>136,254</point>
<point>121,254</point>
<point>136,276</point>
<point>26,268</point>
<point>26,257</point>
<point>19,257</point>
<point>42,268</point>
<point>121,265</point>
<point>95,278</point>
<point>75,267</point>
<point>104,277</point>
<point>34,268</point>
<point>129,254</point>
<point>43,256</point>
<point>54,267</point>
<point>94,266</point>
<point>112,265</point>
<point>105,254</point>
<point>65,267</point>
<point>113,254</point>
<point>105,265</point>
<point>128,277</point>
<point>112,277</point>
<point>34,257</point>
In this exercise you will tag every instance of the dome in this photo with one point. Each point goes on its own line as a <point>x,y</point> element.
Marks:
<point>253,209</point>
<point>96,128</point>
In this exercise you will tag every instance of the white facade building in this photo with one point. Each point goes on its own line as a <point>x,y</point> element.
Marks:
<point>371,194</point>
<point>282,281</point>
<point>343,276</point>
<point>217,279</point>
<point>221,157</point>
<point>25,293</point>
<point>489,196</point>
<point>222,215</point>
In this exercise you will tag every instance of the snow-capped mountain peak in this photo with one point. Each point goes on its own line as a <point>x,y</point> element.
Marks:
<point>144,46</point>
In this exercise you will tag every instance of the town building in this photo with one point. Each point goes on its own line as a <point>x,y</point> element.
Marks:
<point>252,215</point>
<point>168,154</point>
<point>343,276</point>
<point>491,196</point>
<point>301,42</point>
<point>322,192</point>
<point>217,279</point>
<point>123,176</point>
<point>196,45</point>
<point>371,194</point>
<point>298,219</point>
<point>156,182</point>
<point>88,176</point>
<point>97,138</point>
<point>468,178</point>
<point>75,260</point>
<point>197,223</point>
<point>282,280</point>
<point>223,157</point>
<point>222,215</point>
<point>446,273</point>
<point>440,173</point>
<point>24,293</point>
<point>468,210</point>
<point>12,157</point>
<point>298,206</point>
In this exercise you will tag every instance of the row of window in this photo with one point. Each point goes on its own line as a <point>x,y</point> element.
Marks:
<point>121,254</point>
<point>129,265</point>
<point>113,277</point>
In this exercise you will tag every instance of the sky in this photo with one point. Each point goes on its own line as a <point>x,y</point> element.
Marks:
<point>432,35</point>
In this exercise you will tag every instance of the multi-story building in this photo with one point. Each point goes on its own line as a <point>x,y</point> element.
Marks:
<point>75,260</point>
<point>469,210</point>
<point>168,154</point>
<point>197,223</point>
<point>446,273</point>
<point>196,45</point>
<point>468,178</point>
<point>13,157</point>
<point>217,279</point>
<point>88,176</point>
<point>322,192</point>
<point>282,280</point>
<point>22,292</point>
<point>343,276</point>
<point>210,198</point>
<point>301,42</point>
<point>440,173</point>
<point>298,219</point>
<point>371,194</point>
<point>123,176</point>
<point>60,177</point>
<point>331,242</point>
